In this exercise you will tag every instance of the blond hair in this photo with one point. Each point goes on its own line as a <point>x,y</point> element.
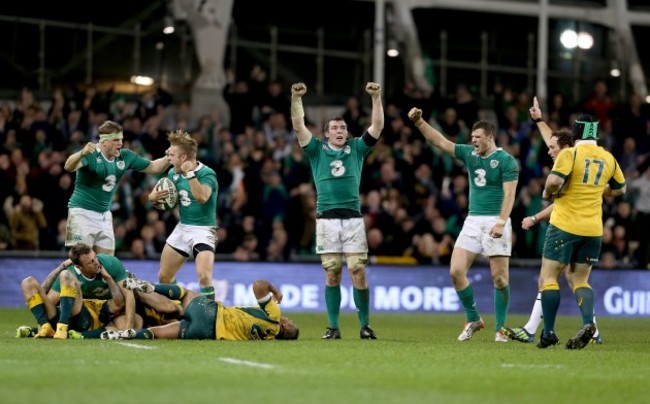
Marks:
<point>184,141</point>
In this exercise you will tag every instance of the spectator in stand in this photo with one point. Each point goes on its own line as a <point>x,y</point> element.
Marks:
<point>640,189</point>
<point>248,250</point>
<point>559,111</point>
<point>631,121</point>
<point>355,116</point>
<point>465,105</point>
<point>600,103</point>
<point>241,102</point>
<point>26,222</point>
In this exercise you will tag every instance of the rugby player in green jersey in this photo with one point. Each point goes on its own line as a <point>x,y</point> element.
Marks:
<point>487,230</point>
<point>99,168</point>
<point>336,165</point>
<point>196,233</point>
<point>83,293</point>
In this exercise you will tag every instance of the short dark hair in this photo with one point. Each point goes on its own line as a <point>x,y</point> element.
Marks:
<point>488,127</point>
<point>77,251</point>
<point>326,127</point>
<point>285,334</point>
<point>564,137</point>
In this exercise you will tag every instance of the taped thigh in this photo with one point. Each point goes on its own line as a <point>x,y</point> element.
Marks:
<point>332,262</point>
<point>357,262</point>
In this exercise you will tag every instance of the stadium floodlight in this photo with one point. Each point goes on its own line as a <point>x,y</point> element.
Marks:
<point>168,27</point>
<point>393,50</point>
<point>585,40</point>
<point>615,72</point>
<point>142,80</point>
<point>569,39</point>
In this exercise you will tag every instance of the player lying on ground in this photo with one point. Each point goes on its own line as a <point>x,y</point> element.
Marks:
<point>205,318</point>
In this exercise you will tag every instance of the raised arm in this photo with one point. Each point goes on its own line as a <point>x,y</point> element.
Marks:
<point>430,133</point>
<point>73,163</point>
<point>46,285</point>
<point>261,289</point>
<point>157,166</point>
<point>536,116</point>
<point>298,114</point>
<point>377,116</point>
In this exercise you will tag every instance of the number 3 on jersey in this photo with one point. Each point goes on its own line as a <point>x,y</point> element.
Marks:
<point>109,183</point>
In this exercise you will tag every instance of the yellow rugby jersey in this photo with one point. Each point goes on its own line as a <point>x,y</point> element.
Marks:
<point>586,169</point>
<point>241,323</point>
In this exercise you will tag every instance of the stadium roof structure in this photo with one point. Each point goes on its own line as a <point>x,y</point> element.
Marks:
<point>40,55</point>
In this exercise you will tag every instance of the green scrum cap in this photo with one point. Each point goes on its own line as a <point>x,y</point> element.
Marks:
<point>584,130</point>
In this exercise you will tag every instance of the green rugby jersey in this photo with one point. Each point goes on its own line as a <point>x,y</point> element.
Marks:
<point>97,179</point>
<point>96,288</point>
<point>191,211</point>
<point>337,173</point>
<point>486,178</point>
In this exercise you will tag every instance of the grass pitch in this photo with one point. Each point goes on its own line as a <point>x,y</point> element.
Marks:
<point>416,359</point>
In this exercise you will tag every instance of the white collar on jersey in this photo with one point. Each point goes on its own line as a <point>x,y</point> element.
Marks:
<point>78,271</point>
<point>580,142</point>
<point>484,157</point>
<point>105,158</point>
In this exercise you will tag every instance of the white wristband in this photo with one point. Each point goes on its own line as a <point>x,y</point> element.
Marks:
<point>501,222</point>
<point>190,174</point>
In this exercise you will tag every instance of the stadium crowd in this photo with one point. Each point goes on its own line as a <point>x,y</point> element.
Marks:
<point>414,198</point>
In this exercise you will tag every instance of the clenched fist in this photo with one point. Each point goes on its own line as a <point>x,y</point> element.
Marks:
<point>88,149</point>
<point>187,166</point>
<point>298,90</point>
<point>373,89</point>
<point>415,114</point>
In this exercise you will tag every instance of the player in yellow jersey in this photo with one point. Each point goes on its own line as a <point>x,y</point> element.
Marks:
<point>205,318</point>
<point>555,140</point>
<point>581,175</point>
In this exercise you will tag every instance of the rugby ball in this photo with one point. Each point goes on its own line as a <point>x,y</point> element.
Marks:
<point>165,184</point>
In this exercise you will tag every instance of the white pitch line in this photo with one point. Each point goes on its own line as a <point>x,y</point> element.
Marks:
<point>247,363</point>
<point>136,345</point>
<point>525,366</point>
